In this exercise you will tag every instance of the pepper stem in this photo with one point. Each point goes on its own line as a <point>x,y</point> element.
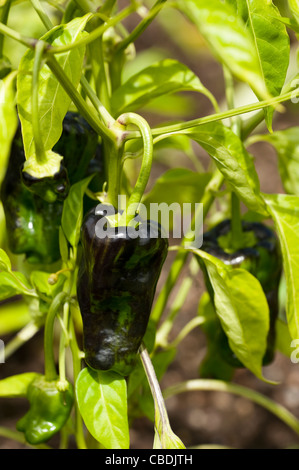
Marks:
<point>144,174</point>
<point>4,12</point>
<point>39,145</point>
<point>236,219</point>
<point>50,368</point>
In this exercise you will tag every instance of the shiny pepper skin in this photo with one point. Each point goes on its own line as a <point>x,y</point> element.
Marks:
<point>116,287</point>
<point>49,410</point>
<point>263,260</point>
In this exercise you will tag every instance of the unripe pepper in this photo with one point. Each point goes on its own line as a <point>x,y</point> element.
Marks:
<point>77,146</point>
<point>49,410</point>
<point>262,259</point>
<point>33,223</point>
<point>116,287</point>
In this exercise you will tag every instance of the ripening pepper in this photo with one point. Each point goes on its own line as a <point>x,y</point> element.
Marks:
<point>263,260</point>
<point>49,410</point>
<point>116,286</point>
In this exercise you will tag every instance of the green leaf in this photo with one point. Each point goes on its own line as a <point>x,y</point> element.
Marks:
<point>102,400</point>
<point>272,45</point>
<point>234,162</point>
<point>13,283</point>
<point>13,316</point>
<point>285,213</point>
<point>243,311</point>
<point>286,144</point>
<point>228,38</point>
<point>53,100</point>
<point>161,78</point>
<point>5,263</point>
<point>72,213</point>
<point>8,119</point>
<point>16,385</point>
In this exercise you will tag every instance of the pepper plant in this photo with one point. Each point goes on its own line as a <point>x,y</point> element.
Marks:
<point>77,149</point>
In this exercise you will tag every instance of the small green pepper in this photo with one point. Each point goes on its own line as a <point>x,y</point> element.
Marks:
<point>49,410</point>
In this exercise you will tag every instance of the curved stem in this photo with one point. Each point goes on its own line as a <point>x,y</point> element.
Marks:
<point>221,386</point>
<point>38,142</point>
<point>138,191</point>
<point>50,369</point>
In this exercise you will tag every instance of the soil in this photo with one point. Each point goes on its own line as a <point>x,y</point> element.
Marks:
<point>198,418</point>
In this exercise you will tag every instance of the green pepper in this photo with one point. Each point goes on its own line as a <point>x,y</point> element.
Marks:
<point>33,223</point>
<point>49,410</point>
<point>116,287</point>
<point>77,145</point>
<point>262,259</point>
